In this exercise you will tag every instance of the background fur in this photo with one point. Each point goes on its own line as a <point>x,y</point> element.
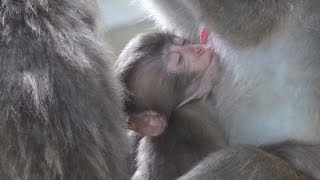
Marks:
<point>60,110</point>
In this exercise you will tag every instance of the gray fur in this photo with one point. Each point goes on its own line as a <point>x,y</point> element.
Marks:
<point>269,93</point>
<point>191,134</point>
<point>235,163</point>
<point>60,107</point>
<point>186,142</point>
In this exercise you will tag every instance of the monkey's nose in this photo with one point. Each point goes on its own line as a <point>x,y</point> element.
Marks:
<point>198,49</point>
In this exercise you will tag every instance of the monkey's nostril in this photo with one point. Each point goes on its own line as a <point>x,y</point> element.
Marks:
<point>198,50</point>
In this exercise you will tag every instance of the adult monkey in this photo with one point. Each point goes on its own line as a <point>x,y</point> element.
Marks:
<point>268,100</point>
<point>60,109</point>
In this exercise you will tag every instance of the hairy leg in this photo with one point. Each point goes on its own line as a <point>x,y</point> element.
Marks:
<point>242,162</point>
<point>304,158</point>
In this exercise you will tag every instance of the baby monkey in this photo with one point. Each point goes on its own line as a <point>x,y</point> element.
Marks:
<point>168,81</point>
<point>162,73</point>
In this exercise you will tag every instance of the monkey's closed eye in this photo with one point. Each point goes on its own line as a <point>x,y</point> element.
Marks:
<point>175,58</point>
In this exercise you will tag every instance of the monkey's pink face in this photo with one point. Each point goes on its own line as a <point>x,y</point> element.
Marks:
<point>188,57</point>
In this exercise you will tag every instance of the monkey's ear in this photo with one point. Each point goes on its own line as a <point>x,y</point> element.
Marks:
<point>147,123</point>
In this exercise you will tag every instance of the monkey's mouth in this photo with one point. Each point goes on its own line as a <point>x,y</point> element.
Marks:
<point>203,38</point>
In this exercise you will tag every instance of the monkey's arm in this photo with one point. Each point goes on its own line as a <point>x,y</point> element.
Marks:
<point>243,162</point>
<point>305,158</point>
<point>183,17</point>
<point>240,22</point>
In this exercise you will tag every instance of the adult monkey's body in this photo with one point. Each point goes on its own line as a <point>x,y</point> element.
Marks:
<point>270,91</point>
<point>60,112</point>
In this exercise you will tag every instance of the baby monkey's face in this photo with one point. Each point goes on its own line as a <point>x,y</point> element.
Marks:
<point>190,58</point>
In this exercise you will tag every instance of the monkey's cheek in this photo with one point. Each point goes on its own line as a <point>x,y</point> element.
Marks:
<point>215,60</point>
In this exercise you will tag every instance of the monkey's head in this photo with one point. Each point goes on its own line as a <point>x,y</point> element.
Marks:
<point>160,70</point>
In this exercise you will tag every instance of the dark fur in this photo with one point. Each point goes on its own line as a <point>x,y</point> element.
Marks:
<point>60,110</point>
<point>186,142</point>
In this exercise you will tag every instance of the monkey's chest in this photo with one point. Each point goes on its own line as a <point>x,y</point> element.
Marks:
<point>271,93</point>
<point>270,114</point>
